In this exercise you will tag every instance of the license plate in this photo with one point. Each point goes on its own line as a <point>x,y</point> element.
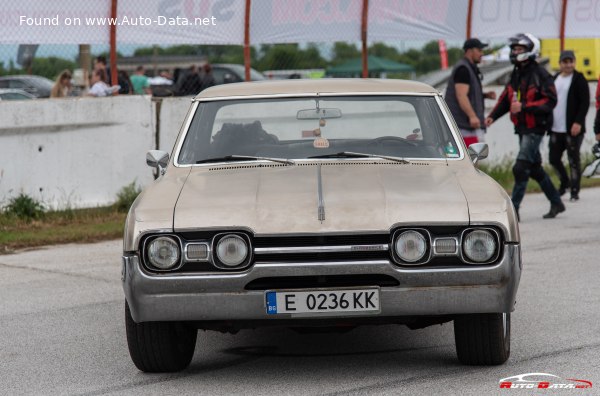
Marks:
<point>322,301</point>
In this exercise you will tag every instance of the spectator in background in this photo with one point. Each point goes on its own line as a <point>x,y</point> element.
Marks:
<point>100,64</point>
<point>98,87</point>
<point>125,83</point>
<point>140,82</point>
<point>189,83</point>
<point>62,87</point>
<point>208,80</point>
<point>530,97</point>
<point>464,94</point>
<point>568,125</point>
<point>163,78</point>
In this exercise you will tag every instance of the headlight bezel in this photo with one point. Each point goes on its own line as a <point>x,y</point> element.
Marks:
<point>214,259</point>
<point>146,252</point>
<point>497,248</point>
<point>428,246</point>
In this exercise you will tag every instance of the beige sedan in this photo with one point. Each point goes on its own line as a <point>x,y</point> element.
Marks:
<point>319,203</point>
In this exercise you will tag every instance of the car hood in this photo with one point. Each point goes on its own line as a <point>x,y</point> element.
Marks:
<point>357,195</point>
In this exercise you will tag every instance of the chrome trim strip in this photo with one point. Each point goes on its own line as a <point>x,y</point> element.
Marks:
<point>453,128</point>
<point>321,208</point>
<point>184,131</point>
<point>323,249</point>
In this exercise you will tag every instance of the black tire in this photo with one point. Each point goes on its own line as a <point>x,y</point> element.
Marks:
<point>482,339</point>
<point>158,347</point>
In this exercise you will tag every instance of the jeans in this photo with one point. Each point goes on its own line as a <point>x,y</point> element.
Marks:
<point>559,142</point>
<point>529,164</point>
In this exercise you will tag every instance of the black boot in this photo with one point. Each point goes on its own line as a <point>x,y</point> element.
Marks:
<point>554,210</point>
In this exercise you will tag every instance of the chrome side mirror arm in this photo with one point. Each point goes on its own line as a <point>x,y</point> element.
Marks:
<point>158,159</point>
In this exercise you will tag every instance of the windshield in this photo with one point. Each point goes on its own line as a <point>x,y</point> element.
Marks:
<point>299,128</point>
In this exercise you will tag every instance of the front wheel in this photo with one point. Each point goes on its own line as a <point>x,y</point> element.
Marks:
<point>157,347</point>
<point>482,339</point>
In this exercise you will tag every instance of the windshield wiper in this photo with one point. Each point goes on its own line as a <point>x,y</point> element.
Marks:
<point>234,157</point>
<point>351,154</point>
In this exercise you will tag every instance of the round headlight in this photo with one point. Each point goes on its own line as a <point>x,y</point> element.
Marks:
<point>479,246</point>
<point>232,250</point>
<point>163,253</point>
<point>410,246</point>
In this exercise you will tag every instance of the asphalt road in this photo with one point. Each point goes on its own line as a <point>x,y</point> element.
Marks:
<point>62,330</point>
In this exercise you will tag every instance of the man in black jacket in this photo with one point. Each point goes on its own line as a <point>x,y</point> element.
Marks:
<point>568,126</point>
<point>530,97</point>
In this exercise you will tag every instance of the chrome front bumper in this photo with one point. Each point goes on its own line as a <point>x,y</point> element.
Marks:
<point>221,296</point>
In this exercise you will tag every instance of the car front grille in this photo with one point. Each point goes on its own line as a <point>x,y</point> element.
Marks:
<point>321,248</point>
<point>320,240</point>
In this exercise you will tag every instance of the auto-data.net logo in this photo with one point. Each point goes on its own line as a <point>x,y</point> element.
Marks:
<point>542,381</point>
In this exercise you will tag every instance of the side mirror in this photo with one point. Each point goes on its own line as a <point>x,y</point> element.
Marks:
<point>478,151</point>
<point>157,159</point>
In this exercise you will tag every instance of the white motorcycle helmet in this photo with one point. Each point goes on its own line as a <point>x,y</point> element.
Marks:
<point>531,44</point>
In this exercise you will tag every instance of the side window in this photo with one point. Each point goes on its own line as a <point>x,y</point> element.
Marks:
<point>223,75</point>
<point>3,84</point>
<point>16,84</point>
<point>219,75</point>
<point>14,96</point>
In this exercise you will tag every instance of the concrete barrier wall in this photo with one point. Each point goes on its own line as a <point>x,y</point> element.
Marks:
<point>81,152</point>
<point>74,152</point>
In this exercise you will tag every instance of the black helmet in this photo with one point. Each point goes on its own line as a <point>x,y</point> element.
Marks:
<point>531,44</point>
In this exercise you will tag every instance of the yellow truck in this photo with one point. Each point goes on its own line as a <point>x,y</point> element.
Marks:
<point>587,52</point>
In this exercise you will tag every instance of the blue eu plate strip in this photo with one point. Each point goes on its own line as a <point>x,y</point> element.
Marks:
<point>271,303</point>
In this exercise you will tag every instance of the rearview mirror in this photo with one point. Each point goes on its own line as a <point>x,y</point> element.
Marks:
<point>317,114</point>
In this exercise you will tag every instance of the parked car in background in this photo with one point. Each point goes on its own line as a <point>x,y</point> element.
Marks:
<point>15,94</point>
<point>37,86</point>
<point>319,203</point>
<point>225,73</point>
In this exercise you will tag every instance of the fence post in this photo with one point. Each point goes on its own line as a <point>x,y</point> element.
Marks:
<point>113,45</point>
<point>563,22</point>
<point>363,33</point>
<point>469,18</point>
<point>247,41</point>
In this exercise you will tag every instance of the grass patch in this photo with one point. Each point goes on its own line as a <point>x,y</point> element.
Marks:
<point>502,173</point>
<point>74,225</point>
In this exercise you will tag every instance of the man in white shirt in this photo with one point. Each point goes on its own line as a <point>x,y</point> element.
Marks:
<point>568,126</point>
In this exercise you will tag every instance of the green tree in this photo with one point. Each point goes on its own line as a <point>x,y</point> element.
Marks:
<point>384,51</point>
<point>51,67</point>
<point>343,52</point>
<point>289,56</point>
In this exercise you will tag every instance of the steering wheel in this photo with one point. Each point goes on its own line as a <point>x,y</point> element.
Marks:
<point>393,139</point>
